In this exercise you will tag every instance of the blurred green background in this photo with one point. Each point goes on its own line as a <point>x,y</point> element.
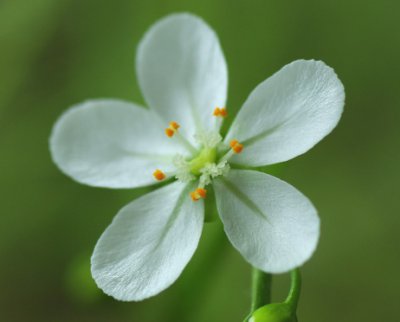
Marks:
<point>55,53</point>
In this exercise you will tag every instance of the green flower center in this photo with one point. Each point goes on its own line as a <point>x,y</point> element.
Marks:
<point>206,156</point>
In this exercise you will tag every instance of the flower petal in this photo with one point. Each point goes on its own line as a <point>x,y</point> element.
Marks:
<point>110,143</point>
<point>273,225</point>
<point>148,244</point>
<point>287,114</point>
<point>182,72</point>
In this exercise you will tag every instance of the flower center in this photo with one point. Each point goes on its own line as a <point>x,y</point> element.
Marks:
<point>206,156</point>
<point>206,165</point>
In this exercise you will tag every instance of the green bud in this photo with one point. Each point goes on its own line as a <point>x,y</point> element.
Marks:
<point>275,312</point>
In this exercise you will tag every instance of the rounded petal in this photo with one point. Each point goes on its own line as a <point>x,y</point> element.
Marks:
<point>273,225</point>
<point>110,143</point>
<point>287,114</point>
<point>148,244</point>
<point>182,72</point>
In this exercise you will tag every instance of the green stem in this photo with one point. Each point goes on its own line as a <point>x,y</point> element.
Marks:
<point>295,288</point>
<point>261,289</point>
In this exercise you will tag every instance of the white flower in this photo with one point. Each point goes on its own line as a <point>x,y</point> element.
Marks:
<point>183,76</point>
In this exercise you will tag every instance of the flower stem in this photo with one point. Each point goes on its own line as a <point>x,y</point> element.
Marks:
<point>260,290</point>
<point>295,288</point>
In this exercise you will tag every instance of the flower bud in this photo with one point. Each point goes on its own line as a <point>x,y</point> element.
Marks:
<point>275,312</point>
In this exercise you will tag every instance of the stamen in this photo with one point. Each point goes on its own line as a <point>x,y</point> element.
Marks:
<point>172,130</point>
<point>159,175</point>
<point>198,193</point>
<point>233,143</point>
<point>236,146</point>
<point>170,133</point>
<point>220,112</point>
<point>173,127</point>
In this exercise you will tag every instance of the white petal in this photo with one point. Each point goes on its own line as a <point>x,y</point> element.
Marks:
<point>110,143</point>
<point>273,225</point>
<point>182,72</point>
<point>148,244</point>
<point>287,114</point>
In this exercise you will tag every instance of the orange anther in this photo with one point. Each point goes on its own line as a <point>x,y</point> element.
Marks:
<point>159,175</point>
<point>220,112</point>
<point>233,143</point>
<point>217,111</point>
<point>170,133</point>
<point>198,193</point>
<point>236,146</point>
<point>174,125</point>
<point>202,192</point>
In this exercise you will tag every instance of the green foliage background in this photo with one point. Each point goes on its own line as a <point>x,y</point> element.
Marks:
<point>54,53</point>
